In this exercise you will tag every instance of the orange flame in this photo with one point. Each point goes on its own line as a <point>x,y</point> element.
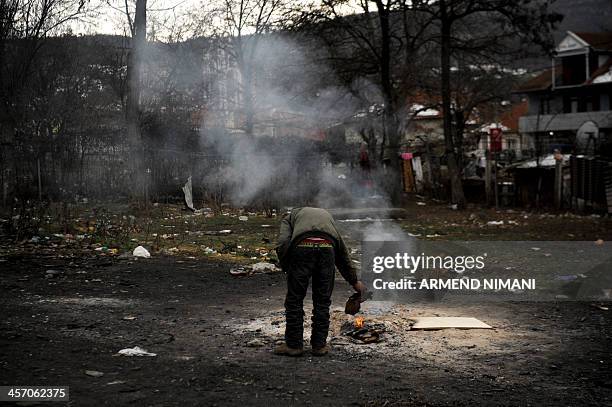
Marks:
<point>359,322</point>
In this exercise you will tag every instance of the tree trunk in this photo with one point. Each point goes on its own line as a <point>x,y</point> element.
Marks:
<point>134,82</point>
<point>248,103</point>
<point>457,196</point>
<point>391,127</point>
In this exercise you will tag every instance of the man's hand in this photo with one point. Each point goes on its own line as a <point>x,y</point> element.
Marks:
<point>360,287</point>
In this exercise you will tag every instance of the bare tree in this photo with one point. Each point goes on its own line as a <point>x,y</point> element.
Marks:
<point>383,41</point>
<point>24,28</point>
<point>138,29</point>
<point>503,24</point>
<point>24,24</point>
<point>244,24</point>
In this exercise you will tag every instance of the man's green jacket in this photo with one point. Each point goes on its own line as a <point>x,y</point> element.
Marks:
<point>309,222</point>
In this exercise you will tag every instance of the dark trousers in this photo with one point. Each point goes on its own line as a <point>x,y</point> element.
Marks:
<point>307,262</point>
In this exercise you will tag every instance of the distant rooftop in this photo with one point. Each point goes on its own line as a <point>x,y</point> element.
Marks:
<point>597,40</point>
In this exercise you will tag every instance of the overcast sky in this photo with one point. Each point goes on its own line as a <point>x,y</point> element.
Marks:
<point>109,15</point>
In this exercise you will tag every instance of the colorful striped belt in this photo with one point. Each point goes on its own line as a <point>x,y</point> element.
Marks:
<point>315,242</point>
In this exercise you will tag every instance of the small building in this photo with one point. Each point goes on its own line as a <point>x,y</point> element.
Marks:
<point>570,104</point>
<point>515,146</point>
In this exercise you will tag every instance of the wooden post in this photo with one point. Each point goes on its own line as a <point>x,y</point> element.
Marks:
<point>495,189</point>
<point>39,180</point>
<point>558,179</point>
<point>488,177</point>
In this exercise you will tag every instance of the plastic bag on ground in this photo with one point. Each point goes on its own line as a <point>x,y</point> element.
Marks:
<point>141,252</point>
<point>135,351</point>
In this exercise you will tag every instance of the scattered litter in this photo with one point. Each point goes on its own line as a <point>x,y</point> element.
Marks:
<point>599,307</point>
<point>94,373</point>
<point>421,203</point>
<point>141,252</point>
<point>257,268</point>
<point>535,248</point>
<point>217,232</point>
<point>495,222</point>
<point>264,267</point>
<point>240,271</point>
<point>455,207</point>
<point>129,318</point>
<point>266,226</point>
<point>243,218</point>
<point>255,343</point>
<point>449,322</point>
<point>135,351</point>
<point>341,176</point>
<point>115,382</point>
<point>208,250</point>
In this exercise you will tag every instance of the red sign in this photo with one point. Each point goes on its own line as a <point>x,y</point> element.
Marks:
<point>495,140</point>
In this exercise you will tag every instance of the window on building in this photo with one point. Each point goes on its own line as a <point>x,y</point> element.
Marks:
<point>512,144</point>
<point>544,105</point>
<point>573,105</point>
<point>573,70</point>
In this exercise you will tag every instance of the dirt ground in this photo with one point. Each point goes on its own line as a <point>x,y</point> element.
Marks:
<point>213,333</point>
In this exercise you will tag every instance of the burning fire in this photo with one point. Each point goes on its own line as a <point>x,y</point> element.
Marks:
<point>359,322</point>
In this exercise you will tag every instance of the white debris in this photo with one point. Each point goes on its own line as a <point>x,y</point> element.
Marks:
<point>495,222</point>
<point>239,271</point>
<point>135,351</point>
<point>264,267</point>
<point>421,203</point>
<point>141,252</point>
<point>257,268</point>
<point>187,190</point>
<point>243,218</point>
<point>208,250</point>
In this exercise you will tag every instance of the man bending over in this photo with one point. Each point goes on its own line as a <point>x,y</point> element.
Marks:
<point>309,246</point>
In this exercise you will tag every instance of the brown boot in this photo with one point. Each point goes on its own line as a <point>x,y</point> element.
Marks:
<point>320,351</point>
<point>284,349</point>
